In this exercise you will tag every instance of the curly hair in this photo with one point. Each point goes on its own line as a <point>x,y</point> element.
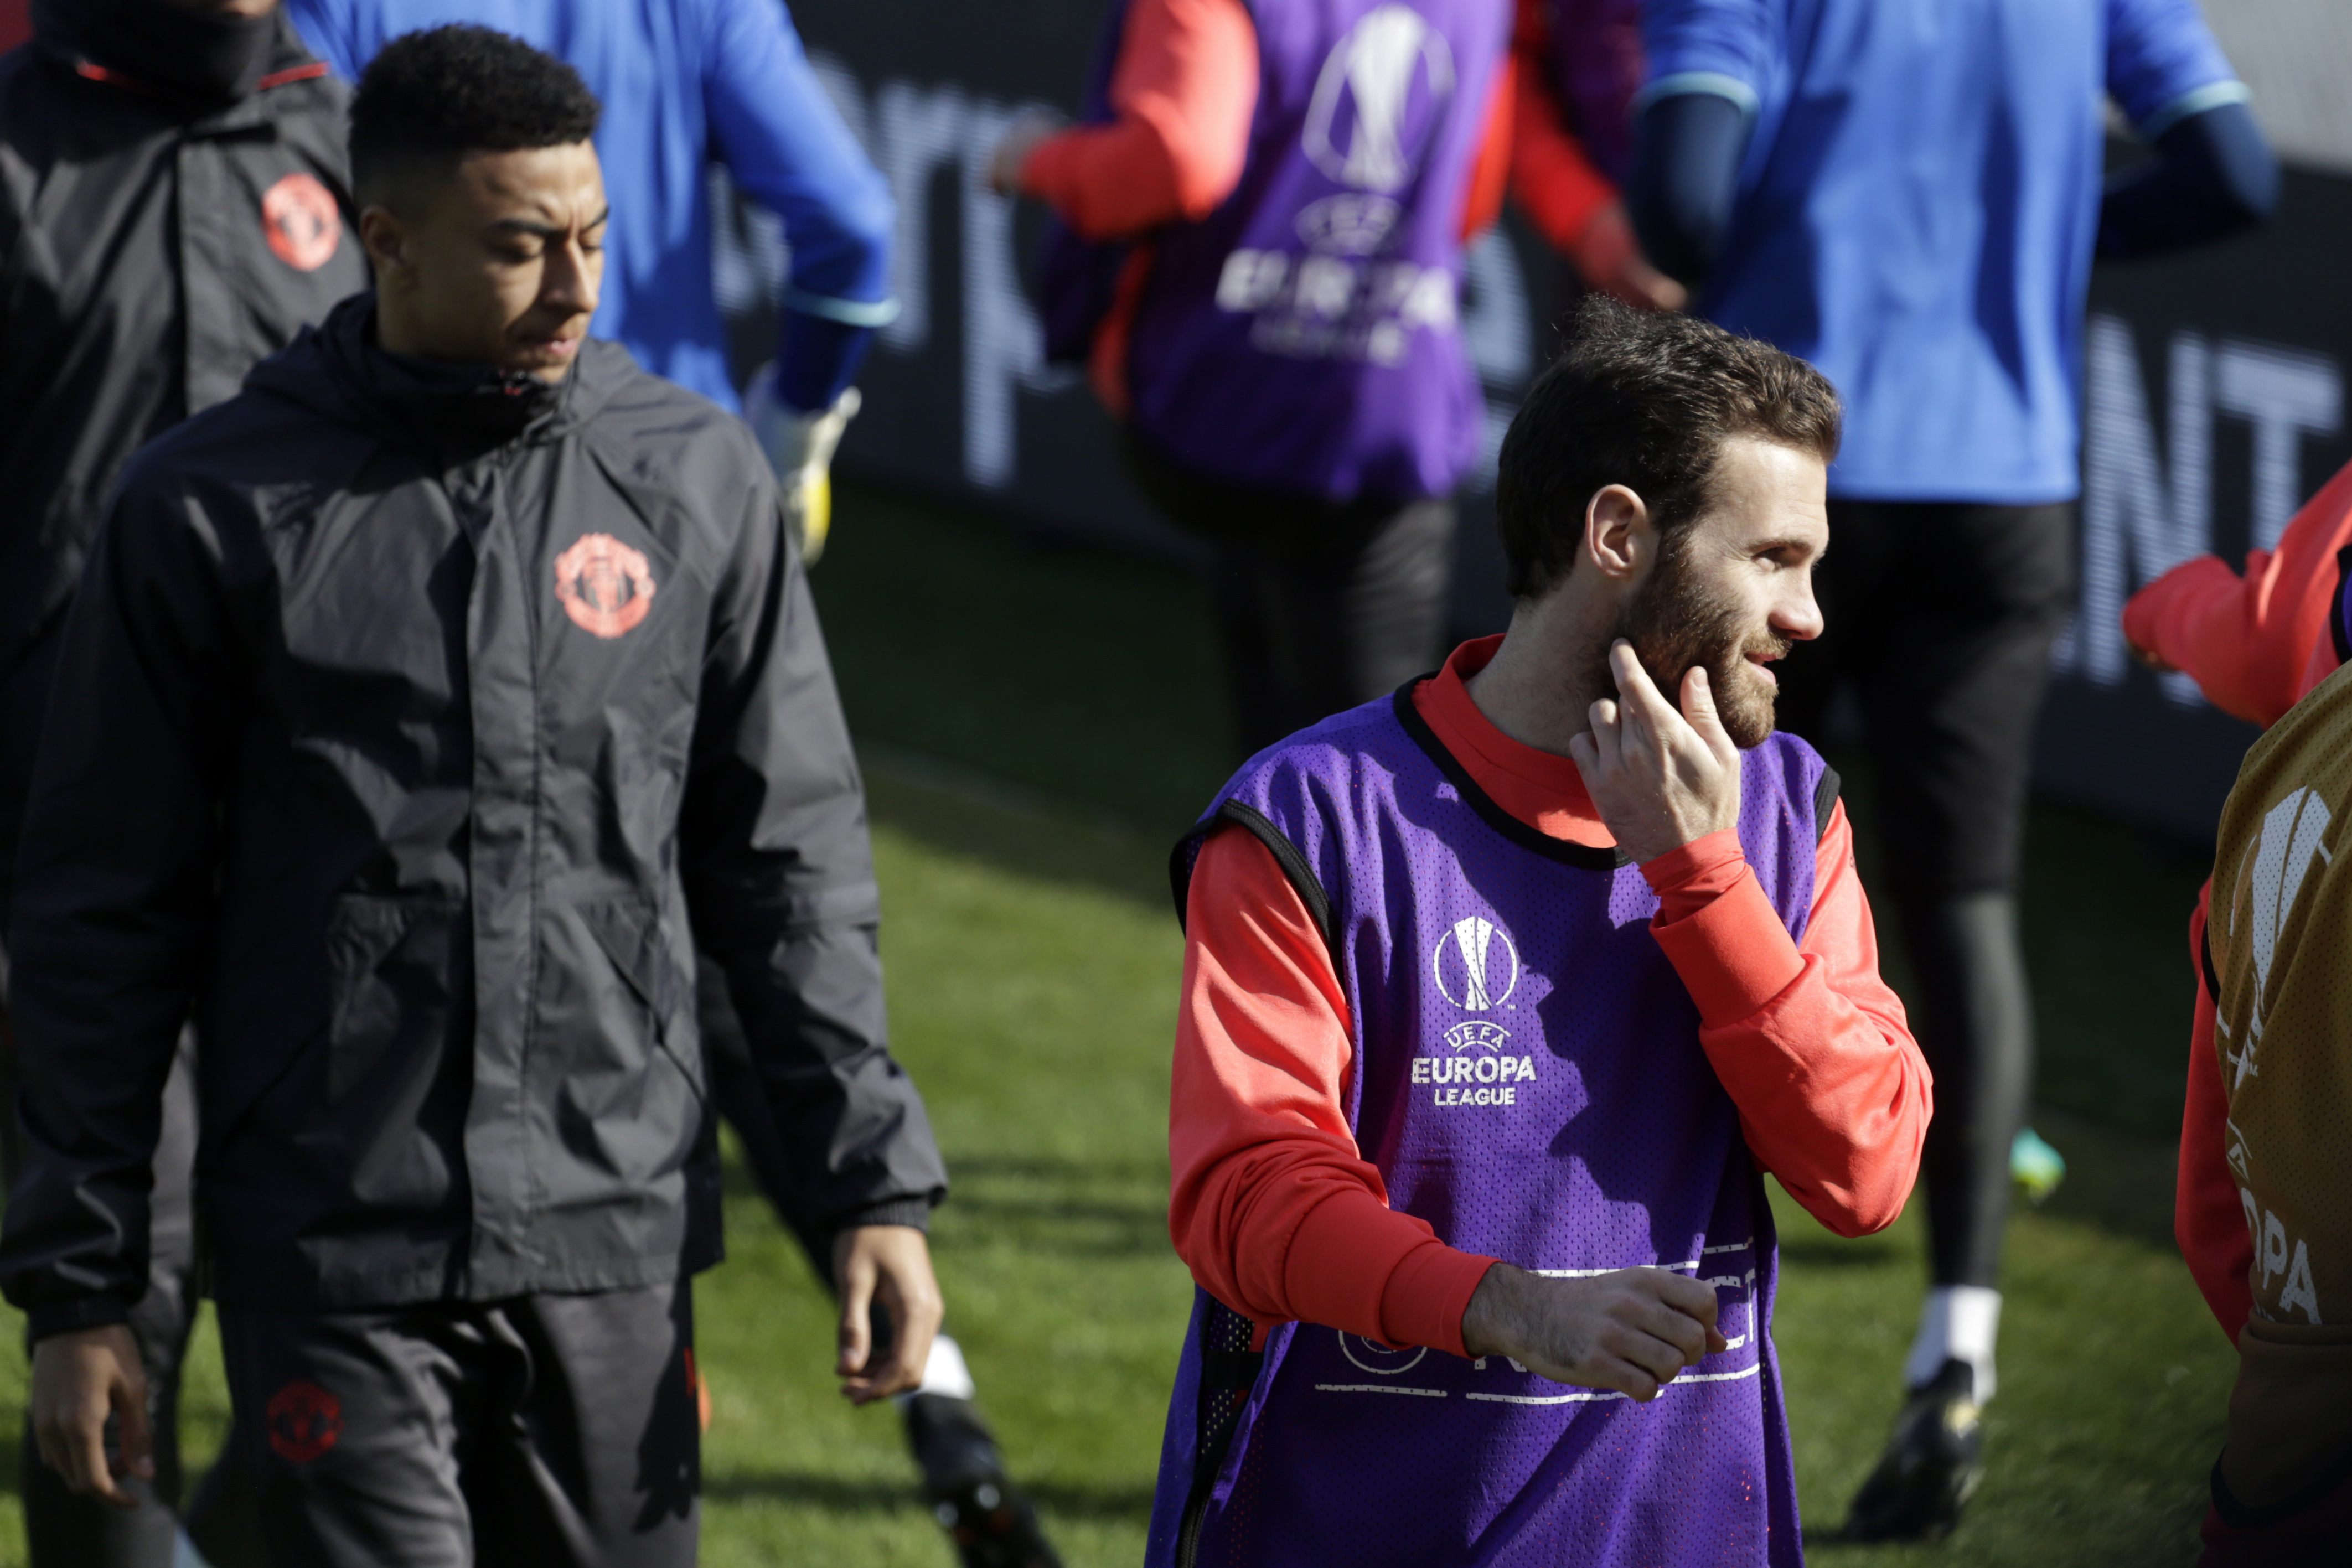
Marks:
<point>1645,401</point>
<point>431,97</point>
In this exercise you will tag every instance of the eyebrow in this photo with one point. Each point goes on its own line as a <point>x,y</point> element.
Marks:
<point>548,231</point>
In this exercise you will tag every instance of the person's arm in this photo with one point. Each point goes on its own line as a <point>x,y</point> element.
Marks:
<point>779,880</point>
<point>1708,59</point>
<point>2247,640</point>
<point>1572,203</point>
<point>1277,1214</point>
<point>1183,92</point>
<point>2208,1220</point>
<point>1272,1205</point>
<point>1811,1044</point>
<point>2214,174</point>
<point>113,895</point>
<point>787,148</point>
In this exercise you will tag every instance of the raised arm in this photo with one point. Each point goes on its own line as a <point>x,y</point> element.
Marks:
<point>787,148</point>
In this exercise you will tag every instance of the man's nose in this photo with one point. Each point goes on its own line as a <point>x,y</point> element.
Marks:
<point>569,281</point>
<point>1799,613</point>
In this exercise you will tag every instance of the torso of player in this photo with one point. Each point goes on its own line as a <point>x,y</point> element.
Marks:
<point>1305,335</point>
<point>152,260</point>
<point>1530,1083</point>
<point>2281,902</point>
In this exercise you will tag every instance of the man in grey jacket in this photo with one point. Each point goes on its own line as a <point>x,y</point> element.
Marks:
<point>423,705</point>
<point>175,204</point>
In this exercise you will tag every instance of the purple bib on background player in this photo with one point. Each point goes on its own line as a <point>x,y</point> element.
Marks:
<point>1527,1077</point>
<point>1307,335</point>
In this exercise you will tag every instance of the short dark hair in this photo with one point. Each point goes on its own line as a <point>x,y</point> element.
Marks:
<point>1645,400</point>
<point>429,97</point>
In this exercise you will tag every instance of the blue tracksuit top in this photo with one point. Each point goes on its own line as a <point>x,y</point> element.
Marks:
<point>1917,206</point>
<point>683,81</point>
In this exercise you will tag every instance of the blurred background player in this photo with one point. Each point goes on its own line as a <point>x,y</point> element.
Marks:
<point>173,206</point>
<point>1269,204</point>
<point>2261,1168</point>
<point>1908,193</point>
<point>1576,65</point>
<point>684,84</point>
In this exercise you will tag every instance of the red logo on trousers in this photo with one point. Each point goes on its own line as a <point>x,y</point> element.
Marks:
<point>304,1421</point>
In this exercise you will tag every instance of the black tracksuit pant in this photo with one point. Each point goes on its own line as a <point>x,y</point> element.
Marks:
<point>1321,605</point>
<point>548,1430</point>
<point>1941,617</point>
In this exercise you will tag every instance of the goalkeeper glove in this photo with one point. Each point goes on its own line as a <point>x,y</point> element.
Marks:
<point>800,449</point>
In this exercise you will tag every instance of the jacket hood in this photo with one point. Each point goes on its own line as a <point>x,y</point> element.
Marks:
<point>452,410</point>
<point>192,59</point>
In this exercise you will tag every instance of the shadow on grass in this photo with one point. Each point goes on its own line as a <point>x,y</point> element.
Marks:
<point>1013,829</point>
<point>1073,1208</point>
<point>842,1495</point>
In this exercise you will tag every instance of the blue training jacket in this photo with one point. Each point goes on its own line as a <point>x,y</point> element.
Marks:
<point>683,81</point>
<point>1918,208</point>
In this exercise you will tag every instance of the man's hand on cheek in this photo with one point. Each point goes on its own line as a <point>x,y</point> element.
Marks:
<point>1659,778</point>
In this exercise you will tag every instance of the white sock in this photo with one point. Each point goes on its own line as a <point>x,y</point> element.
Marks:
<point>945,1373</point>
<point>1959,1322</point>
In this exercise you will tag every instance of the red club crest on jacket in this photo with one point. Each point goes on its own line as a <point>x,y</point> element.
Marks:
<point>606,587</point>
<point>303,226</point>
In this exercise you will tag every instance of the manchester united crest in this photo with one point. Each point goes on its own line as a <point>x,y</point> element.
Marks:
<point>304,1420</point>
<point>606,587</point>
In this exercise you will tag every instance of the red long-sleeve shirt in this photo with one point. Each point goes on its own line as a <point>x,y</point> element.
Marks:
<point>1183,91</point>
<point>1275,1208</point>
<point>2255,645</point>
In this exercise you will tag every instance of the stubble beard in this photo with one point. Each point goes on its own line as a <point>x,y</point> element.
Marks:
<point>1674,624</point>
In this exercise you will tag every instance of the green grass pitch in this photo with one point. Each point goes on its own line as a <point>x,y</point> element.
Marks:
<point>1032,964</point>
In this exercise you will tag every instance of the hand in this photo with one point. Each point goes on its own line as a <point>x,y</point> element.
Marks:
<point>889,1265</point>
<point>1661,778</point>
<point>1013,150</point>
<point>800,449</point>
<point>2152,659</point>
<point>78,1379</point>
<point>1632,1331</point>
<point>1608,257</point>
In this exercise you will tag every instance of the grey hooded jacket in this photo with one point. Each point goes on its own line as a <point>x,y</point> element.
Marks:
<point>414,721</point>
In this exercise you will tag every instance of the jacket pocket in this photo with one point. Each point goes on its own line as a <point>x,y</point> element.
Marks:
<point>399,973</point>
<point>633,936</point>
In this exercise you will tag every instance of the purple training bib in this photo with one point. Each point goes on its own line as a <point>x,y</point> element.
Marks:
<point>1528,1079</point>
<point>1307,336</point>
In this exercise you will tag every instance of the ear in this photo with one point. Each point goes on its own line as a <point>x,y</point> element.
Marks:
<point>389,244</point>
<point>1617,532</point>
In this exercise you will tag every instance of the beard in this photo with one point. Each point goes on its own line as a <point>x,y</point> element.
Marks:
<point>1673,623</point>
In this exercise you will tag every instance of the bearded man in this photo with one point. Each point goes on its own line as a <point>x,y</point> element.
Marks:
<point>1501,994</point>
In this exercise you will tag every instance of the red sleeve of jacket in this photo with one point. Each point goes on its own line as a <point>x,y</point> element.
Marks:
<point>1811,1044</point>
<point>2248,642</point>
<point>1272,1205</point>
<point>1185,90</point>
<point>1555,184</point>
<point>2208,1220</point>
